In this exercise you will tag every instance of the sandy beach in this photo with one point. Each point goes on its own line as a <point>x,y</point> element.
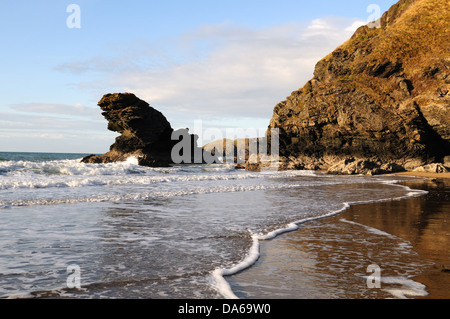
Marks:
<point>407,239</point>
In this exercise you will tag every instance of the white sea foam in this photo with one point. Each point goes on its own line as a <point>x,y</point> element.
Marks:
<point>83,181</point>
<point>368,228</point>
<point>68,181</point>
<point>130,166</point>
<point>218,274</point>
<point>412,287</point>
<point>146,195</point>
<point>132,160</point>
<point>403,245</point>
<point>71,173</point>
<point>408,287</point>
<point>156,177</point>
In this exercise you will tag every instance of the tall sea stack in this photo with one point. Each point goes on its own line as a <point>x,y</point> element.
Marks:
<point>145,133</point>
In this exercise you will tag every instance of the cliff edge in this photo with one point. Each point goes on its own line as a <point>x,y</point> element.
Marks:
<point>382,96</point>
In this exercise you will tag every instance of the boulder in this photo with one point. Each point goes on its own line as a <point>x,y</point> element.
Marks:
<point>433,168</point>
<point>352,166</point>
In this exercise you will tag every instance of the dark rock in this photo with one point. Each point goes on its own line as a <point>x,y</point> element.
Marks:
<point>352,166</point>
<point>445,268</point>
<point>385,69</point>
<point>379,95</point>
<point>258,162</point>
<point>433,168</point>
<point>92,159</point>
<point>145,133</point>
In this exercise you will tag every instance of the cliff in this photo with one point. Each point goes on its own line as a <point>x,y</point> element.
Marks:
<point>383,96</point>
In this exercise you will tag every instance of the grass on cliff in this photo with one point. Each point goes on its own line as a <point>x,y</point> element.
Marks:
<point>415,33</point>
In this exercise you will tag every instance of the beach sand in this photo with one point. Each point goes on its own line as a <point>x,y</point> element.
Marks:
<point>409,240</point>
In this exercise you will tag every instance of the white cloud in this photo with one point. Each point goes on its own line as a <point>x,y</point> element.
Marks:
<point>226,75</point>
<point>246,76</point>
<point>57,109</point>
<point>51,127</point>
<point>51,136</point>
<point>223,74</point>
<point>318,24</point>
<point>220,71</point>
<point>355,25</point>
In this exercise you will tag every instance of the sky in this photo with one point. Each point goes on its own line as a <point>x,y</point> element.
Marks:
<point>207,65</point>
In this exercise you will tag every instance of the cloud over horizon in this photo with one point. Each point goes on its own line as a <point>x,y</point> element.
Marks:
<point>59,109</point>
<point>219,71</point>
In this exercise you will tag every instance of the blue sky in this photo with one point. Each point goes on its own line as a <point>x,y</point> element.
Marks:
<point>225,63</point>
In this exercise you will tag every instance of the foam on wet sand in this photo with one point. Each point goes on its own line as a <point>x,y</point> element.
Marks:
<point>328,258</point>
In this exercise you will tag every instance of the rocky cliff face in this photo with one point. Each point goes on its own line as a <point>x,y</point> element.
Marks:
<point>383,95</point>
<point>145,132</point>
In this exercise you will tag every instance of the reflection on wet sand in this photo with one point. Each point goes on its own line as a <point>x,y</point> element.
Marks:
<point>408,239</point>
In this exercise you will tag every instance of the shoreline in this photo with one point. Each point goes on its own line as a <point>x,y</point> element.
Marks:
<point>424,174</point>
<point>437,277</point>
<point>419,222</point>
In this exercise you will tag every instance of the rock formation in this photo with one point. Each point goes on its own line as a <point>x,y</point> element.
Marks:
<point>381,97</point>
<point>235,151</point>
<point>145,132</point>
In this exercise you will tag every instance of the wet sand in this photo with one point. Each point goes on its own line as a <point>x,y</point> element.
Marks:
<point>409,240</point>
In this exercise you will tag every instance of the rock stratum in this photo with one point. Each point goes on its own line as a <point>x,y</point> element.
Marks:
<point>145,133</point>
<point>381,98</point>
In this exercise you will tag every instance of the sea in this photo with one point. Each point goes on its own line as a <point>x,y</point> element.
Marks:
<point>120,230</point>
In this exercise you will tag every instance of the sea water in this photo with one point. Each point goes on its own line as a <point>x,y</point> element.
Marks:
<point>119,230</point>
